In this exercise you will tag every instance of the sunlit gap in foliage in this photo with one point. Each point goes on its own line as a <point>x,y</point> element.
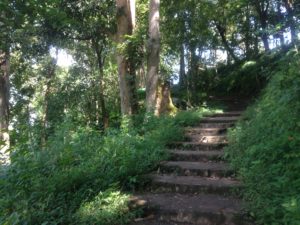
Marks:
<point>64,59</point>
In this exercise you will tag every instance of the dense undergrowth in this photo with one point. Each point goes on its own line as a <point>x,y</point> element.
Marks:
<point>265,147</point>
<point>245,78</point>
<point>80,177</point>
<point>248,77</point>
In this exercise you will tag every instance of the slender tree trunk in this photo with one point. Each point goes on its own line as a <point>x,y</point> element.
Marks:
<point>4,107</point>
<point>248,33</point>
<point>222,32</point>
<point>125,26</point>
<point>280,18</point>
<point>262,7</point>
<point>153,57</point>
<point>193,73</point>
<point>133,87</point>
<point>101,97</point>
<point>256,40</point>
<point>45,119</point>
<point>291,22</point>
<point>265,36</point>
<point>182,77</point>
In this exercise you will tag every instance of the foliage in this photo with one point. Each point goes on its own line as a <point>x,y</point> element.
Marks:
<point>49,186</point>
<point>247,77</point>
<point>265,147</point>
<point>193,116</point>
<point>108,207</point>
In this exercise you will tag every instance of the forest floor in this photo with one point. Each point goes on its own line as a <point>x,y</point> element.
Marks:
<point>196,186</point>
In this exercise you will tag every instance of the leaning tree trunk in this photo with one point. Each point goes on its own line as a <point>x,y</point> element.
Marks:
<point>125,26</point>
<point>222,32</point>
<point>153,58</point>
<point>4,107</point>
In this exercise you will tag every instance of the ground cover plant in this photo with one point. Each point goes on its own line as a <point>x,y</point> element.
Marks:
<point>264,147</point>
<point>82,176</point>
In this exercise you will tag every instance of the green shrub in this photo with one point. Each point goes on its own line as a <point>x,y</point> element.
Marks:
<point>192,117</point>
<point>247,77</point>
<point>109,207</point>
<point>265,148</point>
<point>66,182</point>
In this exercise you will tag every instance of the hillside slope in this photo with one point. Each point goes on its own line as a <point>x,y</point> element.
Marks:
<point>265,147</point>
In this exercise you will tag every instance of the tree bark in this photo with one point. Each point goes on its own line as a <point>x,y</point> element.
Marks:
<point>291,22</point>
<point>101,97</point>
<point>164,101</point>
<point>280,18</point>
<point>222,32</point>
<point>4,107</point>
<point>262,7</point>
<point>193,72</point>
<point>51,67</point>
<point>153,57</point>
<point>265,36</point>
<point>248,33</point>
<point>125,26</point>
<point>182,77</point>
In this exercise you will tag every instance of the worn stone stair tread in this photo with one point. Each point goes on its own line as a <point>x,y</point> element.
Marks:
<point>220,119</point>
<point>195,181</point>
<point>205,131</point>
<point>197,165</point>
<point>194,137</point>
<point>196,186</point>
<point>199,145</point>
<point>156,222</point>
<point>198,154</point>
<point>195,209</point>
<point>227,114</point>
<point>215,124</point>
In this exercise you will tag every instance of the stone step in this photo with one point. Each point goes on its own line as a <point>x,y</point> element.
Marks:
<point>197,146</point>
<point>220,125</point>
<point>227,114</point>
<point>153,221</point>
<point>193,184</point>
<point>231,119</point>
<point>205,169</point>
<point>207,138</point>
<point>196,156</point>
<point>191,209</point>
<point>205,131</point>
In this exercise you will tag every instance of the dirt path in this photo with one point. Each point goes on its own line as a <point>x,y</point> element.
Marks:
<point>196,186</point>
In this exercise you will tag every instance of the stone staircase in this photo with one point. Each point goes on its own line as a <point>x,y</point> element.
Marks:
<point>196,186</point>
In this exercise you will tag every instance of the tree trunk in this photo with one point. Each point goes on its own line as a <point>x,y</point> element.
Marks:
<point>193,74</point>
<point>51,67</point>
<point>248,33</point>
<point>4,107</point>
<point>101,98</point>
<point>222,32</point>
<point>291,22</point>
<point>182,77</point>
<point>262,7</point>
<point>153,57</point>
<point>280,17</point>
<point>125,26</point>
<point>265,36</point>
<point>164,101</point>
